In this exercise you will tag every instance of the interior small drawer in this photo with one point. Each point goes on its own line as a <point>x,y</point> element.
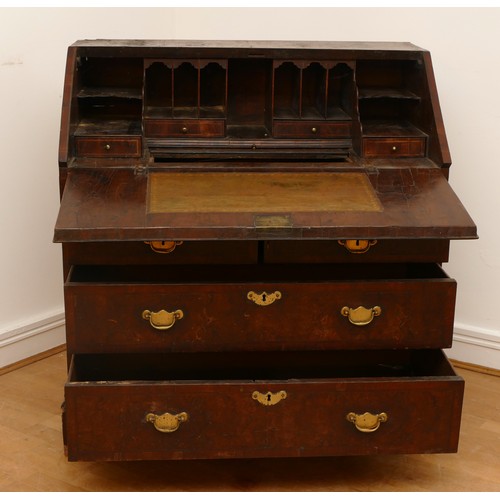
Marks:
<point>285,129</point>
<point>193,308</point>
<point>162,252</point>
<point>184,128</point>
<point>193,406</point>
<point>355,251</point>
<point>394,147</point>
<point>103,147</point>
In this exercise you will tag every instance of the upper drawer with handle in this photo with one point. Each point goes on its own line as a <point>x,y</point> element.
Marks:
<point>104,147</point>
<point>185,308</point>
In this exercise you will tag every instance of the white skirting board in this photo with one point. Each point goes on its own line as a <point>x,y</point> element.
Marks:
<point>30,339</point>
<point>475,345</point>
<point>470,344</point>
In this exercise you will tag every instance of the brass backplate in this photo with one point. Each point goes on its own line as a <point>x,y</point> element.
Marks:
<point>269,398</point>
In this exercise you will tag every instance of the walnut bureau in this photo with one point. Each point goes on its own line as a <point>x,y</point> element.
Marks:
<point>252,239</point>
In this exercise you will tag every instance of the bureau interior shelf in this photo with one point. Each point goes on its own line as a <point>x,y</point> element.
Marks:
<point>104,127</point>
<point>385,93</point>
<point>106,92</point>
<point>387,128</point>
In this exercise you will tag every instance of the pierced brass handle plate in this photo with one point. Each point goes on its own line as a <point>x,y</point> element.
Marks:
<point>361,316</point>
<point>161,246</point>
<point>357,246</point>
<point>367,422</point>
<point>269,398</point>
<point>264,298</point>
<point>167,422</point>
<point>162,320</point>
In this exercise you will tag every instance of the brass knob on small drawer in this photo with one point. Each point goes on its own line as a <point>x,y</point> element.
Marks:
<point>184,130</point>
<point>394,148</point>
<point>167,422</point>
<point>162,320</point>
<point>107,147</point>
<point>314,130</point>
<point>361,316</point>
<point>367,422</point>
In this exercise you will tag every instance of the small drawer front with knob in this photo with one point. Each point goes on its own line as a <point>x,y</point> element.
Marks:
<point>392,147</point>
<point>283,129</point>
<point>184,128</point>
<point>103,147</point>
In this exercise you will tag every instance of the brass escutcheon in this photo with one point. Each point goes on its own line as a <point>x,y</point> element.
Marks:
<point>361,316</point>
<point>162,320</point>
<point>367,422</point>
<point>264,298</point>
<point>357,246</point>
<point>167,422</point>
<point>161,246</point>
<point>269,398</point>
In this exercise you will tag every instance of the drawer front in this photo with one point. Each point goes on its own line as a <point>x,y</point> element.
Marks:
<point>146,420</point>
<point>162,253</point>
<point>310,129</point>
<point>360,314</point>
<point>103,147</point>
<point>184,128</point>
<point>356,251</point>
<point>395,147</point>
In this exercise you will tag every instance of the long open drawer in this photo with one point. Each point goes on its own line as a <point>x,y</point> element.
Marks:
<point>180,406</point>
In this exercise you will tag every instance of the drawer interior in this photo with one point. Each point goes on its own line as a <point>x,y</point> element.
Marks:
<point>259,366</point>
<point>254,273</point>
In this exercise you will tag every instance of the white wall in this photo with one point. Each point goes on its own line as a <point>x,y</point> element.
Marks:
<point>465,47</point>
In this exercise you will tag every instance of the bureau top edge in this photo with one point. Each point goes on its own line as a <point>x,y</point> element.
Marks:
<point>265,45</point>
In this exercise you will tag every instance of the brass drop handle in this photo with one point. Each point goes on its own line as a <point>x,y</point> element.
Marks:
<point>167,422</point>
<point>361,316</point>
<point>367,422</point>
<point>162,320</point>
<point>162,246</point>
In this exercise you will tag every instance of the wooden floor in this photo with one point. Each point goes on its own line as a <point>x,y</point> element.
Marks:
<point>32,458</point>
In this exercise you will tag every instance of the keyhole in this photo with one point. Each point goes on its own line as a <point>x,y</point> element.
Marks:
<point>263,297</point>
<point>269,397</point>
<point>357,243</point>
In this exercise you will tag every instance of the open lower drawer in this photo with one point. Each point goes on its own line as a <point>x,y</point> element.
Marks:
<point>211,405</point>
<point>267,307</point>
